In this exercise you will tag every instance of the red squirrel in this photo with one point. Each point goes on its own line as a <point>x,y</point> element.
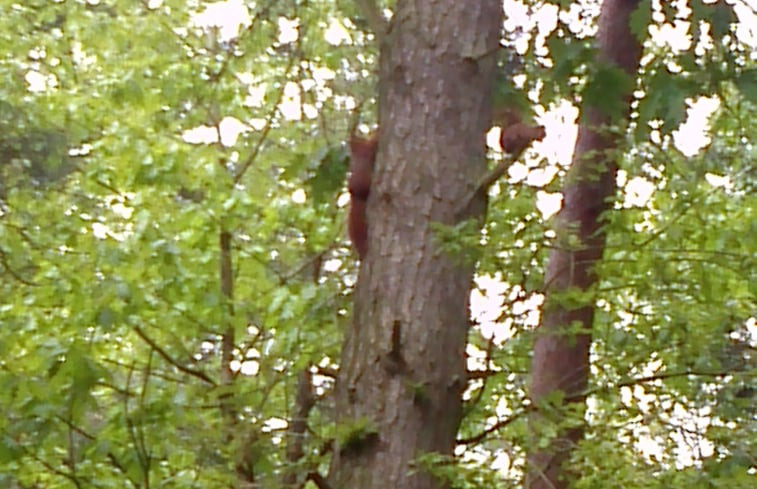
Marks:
<point>362,159</point>
<point>517,135</point>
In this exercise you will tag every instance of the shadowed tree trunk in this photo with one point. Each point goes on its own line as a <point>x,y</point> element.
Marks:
<point>398,392</point>
<point>560,360</point>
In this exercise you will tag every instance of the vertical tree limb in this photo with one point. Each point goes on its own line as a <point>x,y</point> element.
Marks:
<point>304,402</point>
<point>560,361</point>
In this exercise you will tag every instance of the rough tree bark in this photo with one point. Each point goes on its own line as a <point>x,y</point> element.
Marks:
<point>561,352</point>
<point>403,367</point>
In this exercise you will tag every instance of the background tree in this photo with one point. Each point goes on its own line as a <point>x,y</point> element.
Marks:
<point>560,362</point>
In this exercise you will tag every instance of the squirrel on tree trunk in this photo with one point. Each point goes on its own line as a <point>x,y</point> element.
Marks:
<point>362,159</point>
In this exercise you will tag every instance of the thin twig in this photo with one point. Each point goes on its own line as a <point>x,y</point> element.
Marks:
<point>165,356</point>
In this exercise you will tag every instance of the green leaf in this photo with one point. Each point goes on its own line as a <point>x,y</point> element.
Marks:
<point>10,451</point>
<point>606,91</point>
<point>746,82</point>
<point>641,18</point>
<point>329,174</point>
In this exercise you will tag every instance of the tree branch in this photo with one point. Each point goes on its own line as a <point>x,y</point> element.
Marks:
<point>374,17</point>
<point>515,137</point>
<point>6,266</point>
<point>165,356</point>
<point>582,395</point>
<point>318,480</point>
<point>304,402</point>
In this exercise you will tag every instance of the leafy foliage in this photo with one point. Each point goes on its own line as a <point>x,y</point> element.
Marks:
<point>114,314</point>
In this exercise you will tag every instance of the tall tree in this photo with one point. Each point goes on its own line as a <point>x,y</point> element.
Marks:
<point>402,372</point>
<point>560,362</point>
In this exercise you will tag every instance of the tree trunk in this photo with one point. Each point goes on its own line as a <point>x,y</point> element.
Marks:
<point>561,349</point>
<point>403,367</point>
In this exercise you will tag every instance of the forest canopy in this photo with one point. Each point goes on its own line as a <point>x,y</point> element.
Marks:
<point>181,305</point>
